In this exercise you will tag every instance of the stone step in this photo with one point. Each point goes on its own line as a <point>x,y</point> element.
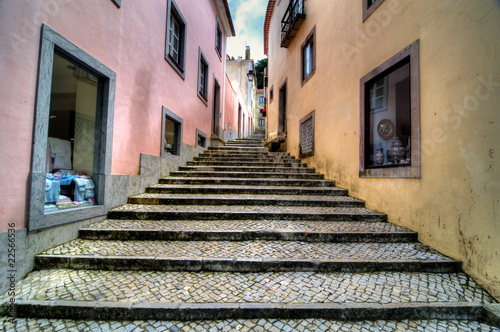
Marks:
<point>238,189</point>
<point>236,149</point>
<point>235,162</point>
<point>245,256</point>
<point>245,156</point>
<point>241,212</point>
<point>246,175</point>
<point>247,169</point>
<point>248,182</point>
<point>257,324</point>
<point>224,159</point>
<point>246,230</point>
<point>131,295</point>
<point>242,199</point>
<point>245,144</point>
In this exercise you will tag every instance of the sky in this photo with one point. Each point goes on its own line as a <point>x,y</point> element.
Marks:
<point>248,19</point>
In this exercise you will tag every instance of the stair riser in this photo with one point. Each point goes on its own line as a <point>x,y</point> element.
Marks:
<point>214,215</point>
<point>131,311</point>
<point>244,157</point>
<point>298,176</point>
<point>150,235</point>
<point>234,201</point>
<point>247,169</point>
<point>249,182</point>
<point>222,161</point>
<point>252,191</point>
<point>228,163</point>
<point>189,264</point>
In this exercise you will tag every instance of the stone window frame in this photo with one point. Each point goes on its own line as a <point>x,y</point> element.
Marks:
<point>203,63</point>
<point>218,36</point>
<point>179,66</point>
<point>52,42</point>
<point>369,9</point>
<point>310,39</point>
<point>118,3</point>
<point>411,55</point>
<point>166,113</point>
<point>309,116</point>
<point>203,136</point>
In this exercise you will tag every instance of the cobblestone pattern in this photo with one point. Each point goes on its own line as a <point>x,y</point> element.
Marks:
<point>245,208</point>
<point>250,249</point>
<point>250,225</point>
<point>246,196</point>
<point>257,325</point>
<point>260,189</point>
<point>227,287</point>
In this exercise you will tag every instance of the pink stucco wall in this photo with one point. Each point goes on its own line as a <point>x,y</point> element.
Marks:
<point>130,40</point>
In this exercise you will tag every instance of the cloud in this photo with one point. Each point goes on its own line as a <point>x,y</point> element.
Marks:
<point>248,18</point>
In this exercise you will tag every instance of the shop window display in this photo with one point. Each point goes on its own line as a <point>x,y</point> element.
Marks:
<point>71,137</point>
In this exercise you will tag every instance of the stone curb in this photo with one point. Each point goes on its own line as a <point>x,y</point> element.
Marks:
<point>247,235</point>
<point>493,314</point>
<point>226,264</point>
<point>216,311</point>
<point>242,201</point>
<point>217,215</point>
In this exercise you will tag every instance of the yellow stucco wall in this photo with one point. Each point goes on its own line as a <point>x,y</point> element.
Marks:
<point>454,206</point>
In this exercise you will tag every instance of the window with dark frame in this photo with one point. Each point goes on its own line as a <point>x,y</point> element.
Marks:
<point>306,138</point>
<point>175,52</point>
<point>203,77</point>
<point>390,117</point>
<point>218,39</point>
<point>271,94</point>
<point>308,57</point>
<point>171,133</point>
<point>369,6</point>
<point>201,138</point>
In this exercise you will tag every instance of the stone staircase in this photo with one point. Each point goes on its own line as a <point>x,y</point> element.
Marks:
<point>245,239</point>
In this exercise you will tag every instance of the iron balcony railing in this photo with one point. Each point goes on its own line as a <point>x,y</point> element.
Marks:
<point>291,21</point>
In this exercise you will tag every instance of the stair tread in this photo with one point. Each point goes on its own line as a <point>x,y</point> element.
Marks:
<point>311,324</point>
<point>253,197</point>
<point>227,287</point>
<point>246,209</point>
<point>250,225</point>
<point>254,250</point>
<point>239,186</point>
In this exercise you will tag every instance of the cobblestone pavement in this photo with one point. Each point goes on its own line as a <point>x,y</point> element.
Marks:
<point>244,208</point>
<point>254,325</point>
<point>248,225</point>
<point>231,287</point>
<point>250,249</point>
<point>267,197</point>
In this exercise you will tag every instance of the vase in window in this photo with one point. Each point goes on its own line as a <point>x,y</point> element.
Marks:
<point>397,152</point>
<point>379,156</point>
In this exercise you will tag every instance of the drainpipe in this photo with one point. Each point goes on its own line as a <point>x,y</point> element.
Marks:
<point>224,88</point>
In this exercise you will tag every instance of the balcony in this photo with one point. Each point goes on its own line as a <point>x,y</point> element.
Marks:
<point>291,22</point>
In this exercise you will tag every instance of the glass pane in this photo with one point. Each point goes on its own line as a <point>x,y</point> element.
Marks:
<point>170,139</point>
<point>71,139</point>
<point>388,120</point>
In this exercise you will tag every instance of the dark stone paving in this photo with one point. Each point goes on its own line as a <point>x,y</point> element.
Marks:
<point>310,259</point>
